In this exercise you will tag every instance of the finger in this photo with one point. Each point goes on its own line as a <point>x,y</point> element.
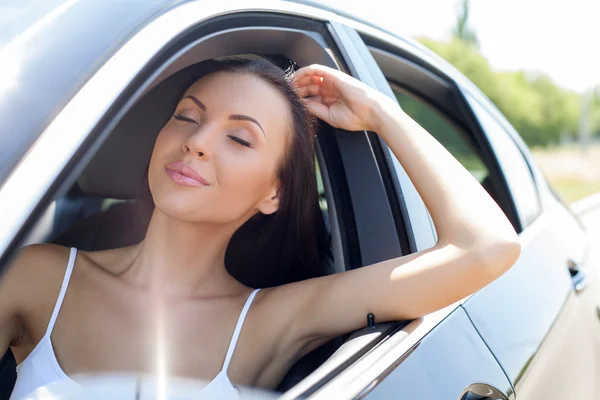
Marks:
<point>321,71</point>
<point>308,80</point>
<point>318,99</point>
<point>313,70</point>
<point>318,109</point>
<point>310,90</point>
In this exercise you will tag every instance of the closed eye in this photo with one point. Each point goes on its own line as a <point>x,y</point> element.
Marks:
<point>240,141</point>
<point>186,119</point>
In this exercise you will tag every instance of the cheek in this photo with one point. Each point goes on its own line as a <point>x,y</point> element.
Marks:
<point>163,145</point>
<point>167,140</point>
<point>248,177</point>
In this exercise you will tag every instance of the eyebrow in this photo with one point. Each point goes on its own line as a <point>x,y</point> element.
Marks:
<point>238,117</point>
<point>195,100</point>
<point>234,117</point>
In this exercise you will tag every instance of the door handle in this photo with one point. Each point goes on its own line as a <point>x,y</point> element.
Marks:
<point>578,277</point>
<point>481,391</point>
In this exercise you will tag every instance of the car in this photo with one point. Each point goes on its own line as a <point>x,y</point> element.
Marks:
<point>89,85</point>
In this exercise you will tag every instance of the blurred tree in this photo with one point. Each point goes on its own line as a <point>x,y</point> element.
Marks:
<point>559,111</point>
<point>462,30</point>
<point>540,111</point>
<point>595,123</point>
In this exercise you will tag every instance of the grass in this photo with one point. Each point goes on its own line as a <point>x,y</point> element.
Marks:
<point>571,172</point>
<point>572,189</point>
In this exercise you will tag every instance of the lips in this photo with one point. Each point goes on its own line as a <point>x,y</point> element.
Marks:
<point>185,175</point>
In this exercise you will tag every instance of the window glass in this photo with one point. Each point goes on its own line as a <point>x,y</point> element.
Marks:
<point>451,137</point>
<point>320,187</point>
<point>516,169</point>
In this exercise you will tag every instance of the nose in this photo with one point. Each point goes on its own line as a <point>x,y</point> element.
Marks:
<point>199,144</point>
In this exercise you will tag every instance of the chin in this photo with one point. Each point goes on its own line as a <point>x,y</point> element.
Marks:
<point>177,205</point>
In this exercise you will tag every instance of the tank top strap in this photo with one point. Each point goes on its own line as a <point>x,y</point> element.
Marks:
<point>238,329</point>
<point>63,291</point>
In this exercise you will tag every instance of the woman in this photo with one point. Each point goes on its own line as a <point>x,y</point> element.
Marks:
<point>236,153</point>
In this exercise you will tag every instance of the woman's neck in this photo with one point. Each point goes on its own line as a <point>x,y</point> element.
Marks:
<point>179,258</point>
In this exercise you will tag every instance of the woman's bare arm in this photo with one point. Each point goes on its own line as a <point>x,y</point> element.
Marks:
<point>476,242</point>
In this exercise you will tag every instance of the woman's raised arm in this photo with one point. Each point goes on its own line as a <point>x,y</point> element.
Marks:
<point>476,242</point>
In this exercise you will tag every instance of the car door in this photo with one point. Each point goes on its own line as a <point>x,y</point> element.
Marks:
<point>544,333</point>
<point>535,318</point>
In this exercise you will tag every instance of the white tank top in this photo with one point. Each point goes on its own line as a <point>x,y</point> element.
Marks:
<point>41,367</point>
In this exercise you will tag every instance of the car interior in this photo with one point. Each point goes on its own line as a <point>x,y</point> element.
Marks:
<point>105,208</point>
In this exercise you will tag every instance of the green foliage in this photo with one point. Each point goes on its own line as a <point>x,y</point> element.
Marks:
<point>450,136</point>
<point>595,124</point>
<point>540,111</point>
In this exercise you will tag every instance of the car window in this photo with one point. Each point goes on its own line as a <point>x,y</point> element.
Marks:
<point>461,144</point>
<point>449,135</point>
<point>512,161</point>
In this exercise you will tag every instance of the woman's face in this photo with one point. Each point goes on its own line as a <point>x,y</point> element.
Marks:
<point>216,160</point>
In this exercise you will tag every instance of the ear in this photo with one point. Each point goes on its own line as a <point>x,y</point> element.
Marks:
<point>270,204</point>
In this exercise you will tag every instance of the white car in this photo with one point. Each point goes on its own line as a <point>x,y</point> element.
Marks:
<point>85,91</point>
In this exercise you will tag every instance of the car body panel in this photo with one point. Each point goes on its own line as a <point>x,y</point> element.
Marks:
<point>534,322</point>
<point>439,365</point>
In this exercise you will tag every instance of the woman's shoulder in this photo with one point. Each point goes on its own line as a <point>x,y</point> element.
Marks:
<point>36,273</point>
<point>31,281</point>
<point>37,262</point>
<point>35,269</point>
<point>49,261</point>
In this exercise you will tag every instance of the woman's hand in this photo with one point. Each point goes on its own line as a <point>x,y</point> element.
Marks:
<point>339,99</point>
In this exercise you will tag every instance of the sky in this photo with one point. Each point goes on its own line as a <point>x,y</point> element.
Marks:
<point>560,38</point>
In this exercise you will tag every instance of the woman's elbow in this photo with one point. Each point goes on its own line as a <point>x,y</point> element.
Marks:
<point>499,257</point>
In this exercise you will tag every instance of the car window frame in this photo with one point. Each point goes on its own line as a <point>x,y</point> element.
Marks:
<point>510,134</point>
<point>451,104</point>
<point>460,130</point>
